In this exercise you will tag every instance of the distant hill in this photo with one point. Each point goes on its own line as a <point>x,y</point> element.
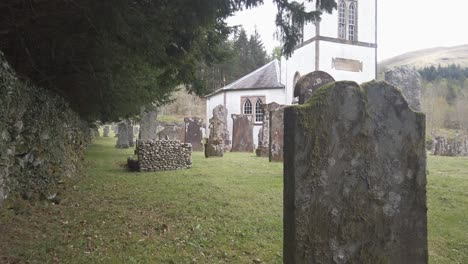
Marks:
<point>434,56</point>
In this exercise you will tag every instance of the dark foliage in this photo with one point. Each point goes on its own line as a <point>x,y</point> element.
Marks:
<point>452,72</point>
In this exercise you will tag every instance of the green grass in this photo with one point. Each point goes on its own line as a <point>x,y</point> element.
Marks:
<point>222,210</point>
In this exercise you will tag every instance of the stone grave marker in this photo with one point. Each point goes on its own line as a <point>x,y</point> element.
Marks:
<point>263,148</point>
<point>355,178</point>
<point>242,133</point>
<point>193,132</point>
<point>122,137</point>
<point>214,146</point>
<point>106,131</point>
<point>309,83</point>
<point>148,124</point>
<point>276,134</point>
<point>408,81</point>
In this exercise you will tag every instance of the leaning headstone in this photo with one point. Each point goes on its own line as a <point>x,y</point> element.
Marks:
<point>263,148</point>
<point>122,138</point>
<point>355,177</point>
<point>193,132</point>
<point>276,141</point>
<point>106,131</point>
<point>214,146</point>
<point>148,124</point>
<point>408,80</point>
<point>242,133</point>
<point>309,83</point>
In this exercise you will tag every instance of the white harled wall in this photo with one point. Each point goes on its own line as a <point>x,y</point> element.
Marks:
<point>233,105</point>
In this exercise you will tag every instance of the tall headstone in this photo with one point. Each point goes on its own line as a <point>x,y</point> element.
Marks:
<point>122,136</point>
<point>276,141</point>
<point>408,81</point>
<point>193,132</point>
<point>263,148</point>
<point>171,132</point>
<point>214,146</point>
<point>106,131</point>
<point>309,83</point>
<point>131,136</point>
<point>242,133</point>
<point>148,123</point>
<point>355,178</point>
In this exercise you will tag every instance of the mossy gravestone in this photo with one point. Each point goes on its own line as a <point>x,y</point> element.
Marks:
<point>355,177</point>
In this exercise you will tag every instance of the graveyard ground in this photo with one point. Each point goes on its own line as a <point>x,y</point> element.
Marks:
<point>221,210</point>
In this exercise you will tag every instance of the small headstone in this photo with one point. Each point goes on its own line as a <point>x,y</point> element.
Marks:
<point>106,131</point>
<point>148,124</point>
<point>408,81</point>
<point>442,146</point>
<point>276,142</point>
<point>309,83</point>
<point>122,138</point>
<point>355,178</point>
<point>193,132</point>
<point>242,133</point>
<point>214,146</point>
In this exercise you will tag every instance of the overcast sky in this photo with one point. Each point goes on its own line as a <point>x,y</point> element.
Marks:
<point>404,25</point>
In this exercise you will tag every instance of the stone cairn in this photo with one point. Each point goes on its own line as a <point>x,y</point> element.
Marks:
<point>355,177</point>
<point>443,147</point>
<point>106,131</point>
<point>122,136</point>
<point>193,132</point>
<point>242,133</point>
<point>161,155</point>
<point>215,144</point>
<point>408,81</point>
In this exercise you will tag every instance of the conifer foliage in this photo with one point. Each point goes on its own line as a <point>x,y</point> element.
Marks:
<point>109,57</point>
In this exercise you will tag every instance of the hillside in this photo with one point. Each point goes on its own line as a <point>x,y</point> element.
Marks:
<point>434,56</point>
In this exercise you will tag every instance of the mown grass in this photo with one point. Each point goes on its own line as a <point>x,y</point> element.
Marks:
<point>221,210</point>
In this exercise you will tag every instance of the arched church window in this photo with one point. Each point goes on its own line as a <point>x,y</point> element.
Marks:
<point>342,20</point>
<point>352,22</point>
<point>258,111</point>
<point>247,107</point>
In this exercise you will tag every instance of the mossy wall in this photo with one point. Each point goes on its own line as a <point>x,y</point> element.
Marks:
<point>42,141</point>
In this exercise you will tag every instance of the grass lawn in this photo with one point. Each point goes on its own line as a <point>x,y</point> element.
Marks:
<point>221,210</point>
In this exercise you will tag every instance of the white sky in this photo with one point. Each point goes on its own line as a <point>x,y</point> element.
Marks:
<point>403,25</point>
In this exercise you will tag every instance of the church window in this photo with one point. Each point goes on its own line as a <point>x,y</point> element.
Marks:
<point>352,22</point>
<point>258,111</point>
<point>247,107</point>
<point>342,20</point>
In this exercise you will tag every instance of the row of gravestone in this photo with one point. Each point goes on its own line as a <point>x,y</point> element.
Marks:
<point>442,146</point>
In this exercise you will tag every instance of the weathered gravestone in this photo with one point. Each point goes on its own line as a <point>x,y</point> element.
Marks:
<point>355,178</point>
<point>115,129</point>
<point>171,132</point>
<point>122,136</point>
<point>148,124</point>
<point>276,141</point>
<point>106,131</point>
<point>131,136</point>
<point>193,132</point>
<point>242,133</point>
<point>454,147</point>
<point>309,83</point>
<point>263,149</point>
<point>214,146</point>
<point>408,81</point>
<point>136,131</point>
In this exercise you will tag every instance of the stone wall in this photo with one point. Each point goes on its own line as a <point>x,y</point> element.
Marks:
<point>42,141</point>
<point>161,155</point>
<point>355,177</point>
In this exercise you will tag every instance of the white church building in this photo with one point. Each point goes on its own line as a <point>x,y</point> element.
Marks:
<point>343,44</point>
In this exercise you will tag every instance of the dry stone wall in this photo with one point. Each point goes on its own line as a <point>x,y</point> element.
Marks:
<point>161,155</point>
<point>355,177</point>
<point>42,141</point>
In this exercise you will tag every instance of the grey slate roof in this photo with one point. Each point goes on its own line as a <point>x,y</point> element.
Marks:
<point>265,77</point>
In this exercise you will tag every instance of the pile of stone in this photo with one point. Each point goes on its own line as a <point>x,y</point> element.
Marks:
<point>444,147</point>
<point>162,155</point>
<point>215,144</point>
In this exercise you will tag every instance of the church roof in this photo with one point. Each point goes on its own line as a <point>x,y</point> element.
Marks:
<point>265,77</point>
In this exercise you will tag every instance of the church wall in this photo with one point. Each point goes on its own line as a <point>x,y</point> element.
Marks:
<point>233,105</point>
<point>366,55</point>
<point>302,61</point>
